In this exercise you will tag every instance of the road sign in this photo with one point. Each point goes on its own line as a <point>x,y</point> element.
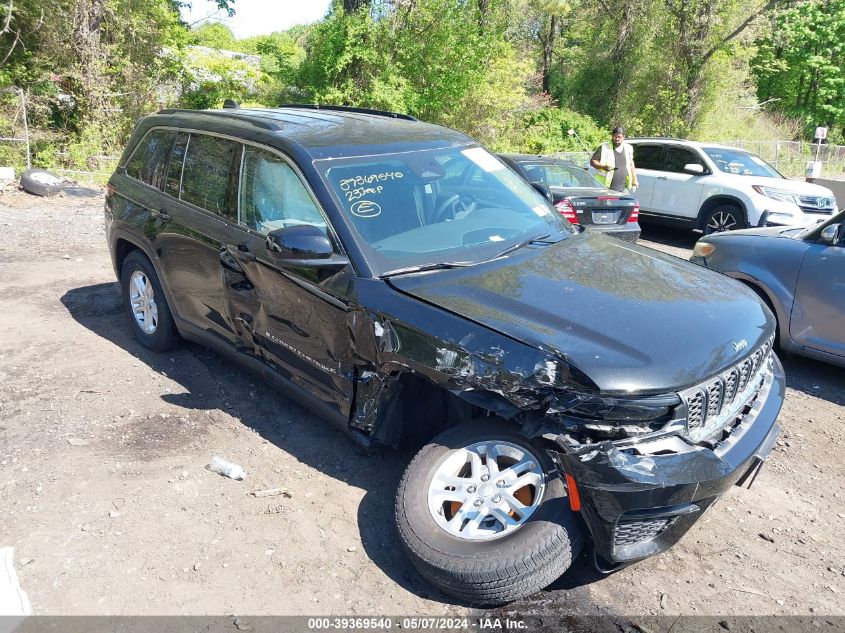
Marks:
<point>821,132</point>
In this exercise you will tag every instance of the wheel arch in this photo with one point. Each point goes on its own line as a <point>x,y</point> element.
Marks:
<point>122,248</point>
<point>123,244</point>
<point>717,201</point>
<point>772,302</point>
<point>411,409</point>
<point>407,409</point>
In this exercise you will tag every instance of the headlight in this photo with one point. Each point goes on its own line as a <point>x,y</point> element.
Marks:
<point>604,417</point>
<point>703,249</point>
<point>776,194</point>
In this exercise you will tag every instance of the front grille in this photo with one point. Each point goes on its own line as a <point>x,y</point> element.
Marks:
<point>731,384</point>
<point>710,404</point>
<point>695,406</point>
<point>638,531</point>
<point>816,204</point>
<point>714,398</point>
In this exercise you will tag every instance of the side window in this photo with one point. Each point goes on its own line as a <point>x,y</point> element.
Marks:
<point>272,195</point>
<point>649,157</point>
<point>149,161</point>
<point>535,173</point>
<point>677,157</point>
<point>174,172</point>
<point>207,173</point>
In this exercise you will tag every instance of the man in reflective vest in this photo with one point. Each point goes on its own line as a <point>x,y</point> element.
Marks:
<point>616,164</point>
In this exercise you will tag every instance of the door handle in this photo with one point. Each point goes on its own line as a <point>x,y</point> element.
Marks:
<point>161,215</point>
<point>661,178</point>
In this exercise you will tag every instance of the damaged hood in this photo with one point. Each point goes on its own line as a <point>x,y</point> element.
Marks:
<point>631,318</point>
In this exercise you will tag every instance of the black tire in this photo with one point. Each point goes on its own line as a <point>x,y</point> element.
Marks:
<point>41,182</point>
<point>725,217</point>
<point>491,572</point>
<point>164,336</point>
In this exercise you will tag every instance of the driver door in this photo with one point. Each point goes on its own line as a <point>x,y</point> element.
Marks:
<point>290,317</point>
<point>818,312</point>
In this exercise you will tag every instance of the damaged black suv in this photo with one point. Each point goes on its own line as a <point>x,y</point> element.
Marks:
<point>408,286</point>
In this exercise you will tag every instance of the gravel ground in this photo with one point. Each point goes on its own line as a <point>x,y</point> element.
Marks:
<point>106,499</point>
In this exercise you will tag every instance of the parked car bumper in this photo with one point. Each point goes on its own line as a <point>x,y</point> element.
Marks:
<point>638,505</point>
<point>630,232</point>
<point>765,211</point>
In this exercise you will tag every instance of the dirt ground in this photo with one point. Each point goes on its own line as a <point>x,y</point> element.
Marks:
<point>104,494</point>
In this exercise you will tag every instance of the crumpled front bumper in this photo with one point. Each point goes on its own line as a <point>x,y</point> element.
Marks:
<point>640,503</point>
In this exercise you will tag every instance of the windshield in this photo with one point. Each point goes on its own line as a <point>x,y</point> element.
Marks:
<point>559,175</point>
<point>734,161</point>
<point>434,206</point>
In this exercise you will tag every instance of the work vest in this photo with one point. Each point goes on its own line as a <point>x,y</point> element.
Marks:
<point>608,157</point>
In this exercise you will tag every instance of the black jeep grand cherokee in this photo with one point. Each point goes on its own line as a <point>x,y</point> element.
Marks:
<point>407,285</point>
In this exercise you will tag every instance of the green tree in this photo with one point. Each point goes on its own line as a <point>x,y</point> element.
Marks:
<point>214,35</point>
<point>800,63</point>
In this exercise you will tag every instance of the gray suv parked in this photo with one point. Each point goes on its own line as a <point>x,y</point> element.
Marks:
<point>394,276</point>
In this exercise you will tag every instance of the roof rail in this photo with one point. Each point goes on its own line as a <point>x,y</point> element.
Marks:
<point>230,113</point>
<point>657,138</point>
<point>311,106</point>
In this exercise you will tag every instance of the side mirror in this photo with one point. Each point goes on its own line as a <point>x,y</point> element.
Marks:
<point>543,190</point>
<point>830,234</point>
<point>304,245</point>
<point>694,168</point>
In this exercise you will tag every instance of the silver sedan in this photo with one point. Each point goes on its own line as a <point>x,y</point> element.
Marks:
<point>798,273</point>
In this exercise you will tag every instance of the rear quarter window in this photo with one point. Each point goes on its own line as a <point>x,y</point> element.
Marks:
<point>149,160</point>
<point>649,157</point>
<point>208,174</point>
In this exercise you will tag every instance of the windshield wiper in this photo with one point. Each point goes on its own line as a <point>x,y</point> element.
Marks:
<point>424,267</point>
<point>537,239</point>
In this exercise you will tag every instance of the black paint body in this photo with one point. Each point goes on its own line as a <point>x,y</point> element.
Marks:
<point>514,336</point>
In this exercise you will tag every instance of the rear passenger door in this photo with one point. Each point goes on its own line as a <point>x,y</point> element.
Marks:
<point>141,182</point>
<point>292,317</point>
<point>198,216</point>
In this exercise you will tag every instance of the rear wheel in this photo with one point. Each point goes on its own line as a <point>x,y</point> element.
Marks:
<point>144,300</point>
<point>724,218</point>
<point>483,515</point>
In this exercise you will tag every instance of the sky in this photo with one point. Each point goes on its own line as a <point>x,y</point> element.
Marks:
<point>259,17</point>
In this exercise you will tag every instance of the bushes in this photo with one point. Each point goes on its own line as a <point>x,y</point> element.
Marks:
<point>547,130</point>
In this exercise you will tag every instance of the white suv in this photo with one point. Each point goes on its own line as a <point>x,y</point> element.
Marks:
<point>715,188</point>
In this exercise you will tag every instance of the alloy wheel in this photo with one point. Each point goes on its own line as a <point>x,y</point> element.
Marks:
<point>721,221</point>
<point>485,490</point>
<point>142,300</point>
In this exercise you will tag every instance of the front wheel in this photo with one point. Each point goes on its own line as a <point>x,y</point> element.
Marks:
<point>724,218</point>
<point>483,515</point>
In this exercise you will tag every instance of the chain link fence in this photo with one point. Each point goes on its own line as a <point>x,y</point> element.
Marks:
<point>791,157</point>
